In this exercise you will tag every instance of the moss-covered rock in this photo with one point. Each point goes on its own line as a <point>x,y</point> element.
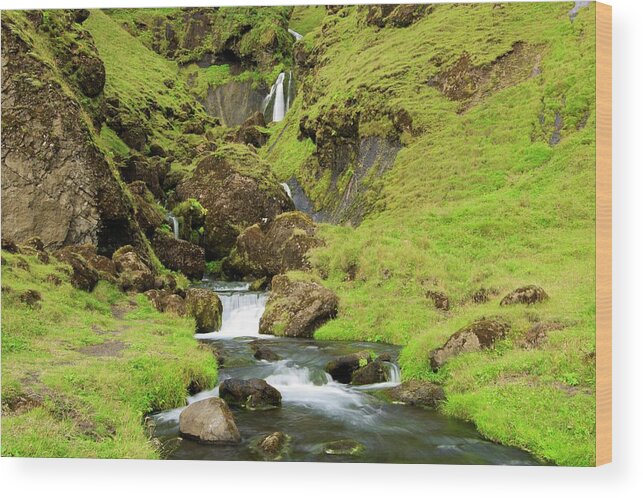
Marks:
<point>416,392</point>
<point>342,368</point>
<point>238,190</point>
<point>297,306</point>
<point>206,308</point>
<point>529,294</point>
<point>133,273</point>
<point>148,212</point>
<point>277,247</point>
<point>179,255</point>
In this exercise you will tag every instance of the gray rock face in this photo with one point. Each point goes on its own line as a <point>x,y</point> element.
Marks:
<point>209,421</point>
<point>234,102</point>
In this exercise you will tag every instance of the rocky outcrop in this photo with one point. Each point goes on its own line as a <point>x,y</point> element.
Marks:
<point>238,190</point>
<point>133,274</point>
<point>530,294</point>
<point>147,211</point>
<point>250,131</point>
<point>234,102</point>
<point>398,16</point>
<point>179,255</point>
<point>253,394</point>
<point>277,247</point>
<point>341,369</point>
<point>416,392</point>
<point>209,421</point>
<point>481,334</point>
<point>296,308</point>
<point>206,308</point>
<point>89,260</point>
<point>55,181</point>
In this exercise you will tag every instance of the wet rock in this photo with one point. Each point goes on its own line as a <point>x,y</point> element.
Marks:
<point>238,190</point>
<point>253,394</point>
<point>481,334</point>
<point>341,368</point>
<point>179,255</point>
<point>209,421</point>
<point>416,392</point>
<point>206,308</point>
<point>440,299</point>
<point>134,274</point>
<point>373,373</point>
<point>344,447</point>
<point>273,446</point>
<point>278,247</point>
<point>537,335</point>
<point>31,298</point>
<point>265,353</point>
<point>296,308</point>
<point>530,294</point>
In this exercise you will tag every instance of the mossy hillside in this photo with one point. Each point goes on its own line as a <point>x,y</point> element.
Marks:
<point>306,18</point>
<point>149,89</point>
<point>81,370</point>
<point>477,198</point>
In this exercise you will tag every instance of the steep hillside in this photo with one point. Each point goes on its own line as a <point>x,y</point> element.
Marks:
<point>493,115</point>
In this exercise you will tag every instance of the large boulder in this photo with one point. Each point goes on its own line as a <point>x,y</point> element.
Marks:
<point>165,301</point>
<point>209,421</point>
<point>481,334</point>
<point>416,392</point>
<point>341,369</point>
<point>133,273</point>
<point>206,308</point>
<point>372,373</point>
<point>179,255</point>
<point>104,266</point>
<point>297,307</point>
<point>253,394</point>
<point>529,294</point>
<point>276,247</point>
<point>56,181</point>
<point>238,190</point>
<point>83,276</point>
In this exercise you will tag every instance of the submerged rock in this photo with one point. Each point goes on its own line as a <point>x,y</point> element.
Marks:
<point>254,394</point>
<point>481,334</point>
<point>206,308</point>
<point>341,369</point>
<point>179,255</point>
<point>416,392</point>
<point>273,446</point>
<point>529,294</point>
<point>278,247</point>
<point>264,353</point>
<point>209,421</point>
<point>345,447</point>
<point>296,308</point>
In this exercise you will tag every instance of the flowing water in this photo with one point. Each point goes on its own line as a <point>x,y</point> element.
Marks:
<point>277,102</point>
<point>315,409</point>
<point>286,188</point>
<point>175,225</point>
<point>295,34</point>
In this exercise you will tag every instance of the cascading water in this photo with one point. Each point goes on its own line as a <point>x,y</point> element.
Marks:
<point>315,408</point>
<point>278,101</point>
<point>279,106</point>
<point>295,34</point>
<point>286,188</point>
<point>175,224</point>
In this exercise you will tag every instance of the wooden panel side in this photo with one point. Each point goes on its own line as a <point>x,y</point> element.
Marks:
<point>603,234</point>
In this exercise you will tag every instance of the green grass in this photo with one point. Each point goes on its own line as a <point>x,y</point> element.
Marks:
<point>475,199</point>
<point>306,18</point>
<point>95,373</point>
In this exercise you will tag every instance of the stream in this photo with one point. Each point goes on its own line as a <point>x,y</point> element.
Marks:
<point>315,409</point>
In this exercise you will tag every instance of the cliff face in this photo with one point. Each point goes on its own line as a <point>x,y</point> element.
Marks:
<point>56,183</point>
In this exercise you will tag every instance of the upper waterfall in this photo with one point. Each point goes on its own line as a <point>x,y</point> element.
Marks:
<point>278,101</point>
<point>295,34</point>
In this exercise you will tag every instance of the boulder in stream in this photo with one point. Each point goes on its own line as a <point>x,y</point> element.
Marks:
<point>372,373</point>
<point>481,334</point>
<point>206,308</point>
<point>273,446</point>
<point>341,368</point>
<point>209,421</point>
<point>297,306</point>
<point>253,394</point>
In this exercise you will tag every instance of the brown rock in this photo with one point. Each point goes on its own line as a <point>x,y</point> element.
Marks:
<point>206,308</point>
<point>179,255</point>
<point>31,298</point>
<point>481,334</point>
<point>209,421</point>
<point>372,373</point>
<point>417,392</point>
<point>440,299</point>
<point>530,294</point>
<point>254,394</point>
<point>341,369</point>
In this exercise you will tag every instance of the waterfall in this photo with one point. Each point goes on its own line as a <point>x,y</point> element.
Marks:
<point>295,34</point>
<point>241,314</point>
<point>175,224</point>
<point>279,109</point>
<point>393,375</point>
<point>287,189</point>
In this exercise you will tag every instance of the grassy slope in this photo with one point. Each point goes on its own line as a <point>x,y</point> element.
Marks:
<point>93,372</point>
<point>477,199</point>
<point>305,18</point>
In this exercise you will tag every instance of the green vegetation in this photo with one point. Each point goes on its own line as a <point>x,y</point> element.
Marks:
<point>476,199</point>
<point>306,18</point>
<point>81,370</point>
